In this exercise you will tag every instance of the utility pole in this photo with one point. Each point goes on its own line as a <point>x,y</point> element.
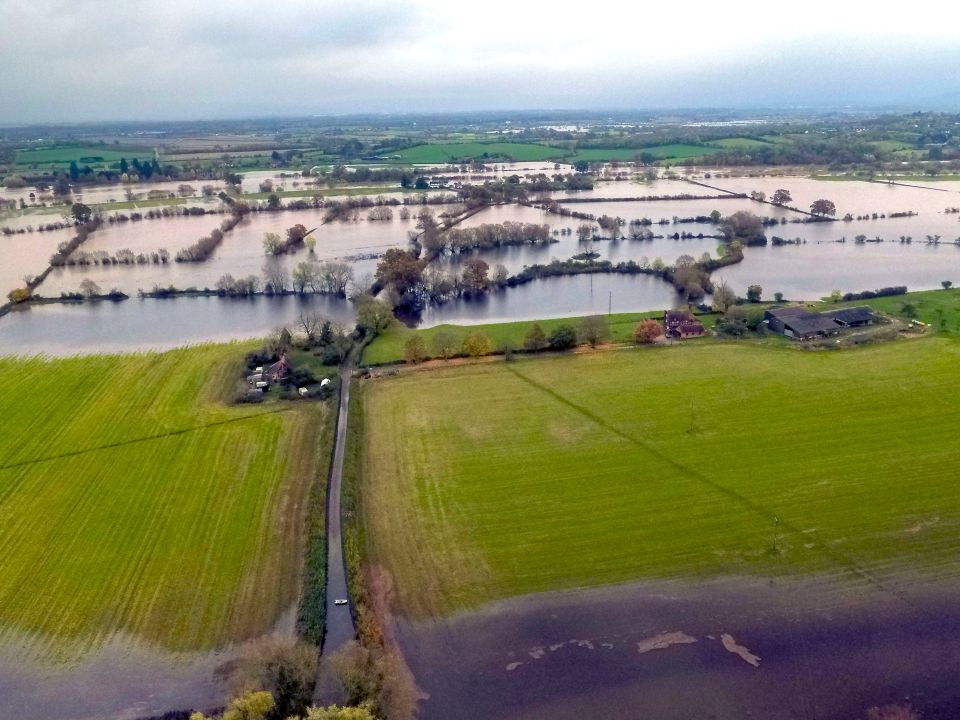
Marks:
<point>610,304</point>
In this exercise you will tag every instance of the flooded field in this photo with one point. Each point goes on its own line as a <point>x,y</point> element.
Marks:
<point>850,196</point>
<point>777,650</point>
<point>810,272</point>
<point>137,324</point>
<point>240,254</point>
<point>26,254</point>
<point>567,296</point>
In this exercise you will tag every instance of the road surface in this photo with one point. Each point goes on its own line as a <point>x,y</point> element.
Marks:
<point>339,620</point>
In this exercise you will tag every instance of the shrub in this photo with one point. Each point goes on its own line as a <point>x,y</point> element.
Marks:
<point>536,338</point>
<point>476,344</point>
<point>594,330</point>
<point>647,331</point>
<point>563,337</point>
<point>415,350</point>
<point>19,295</point>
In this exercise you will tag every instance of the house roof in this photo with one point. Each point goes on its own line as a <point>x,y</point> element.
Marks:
<point>677,316</point>
<point>848,316</point>
<point>810,323</point>
<point>690,326</point>
<point>790,311</point>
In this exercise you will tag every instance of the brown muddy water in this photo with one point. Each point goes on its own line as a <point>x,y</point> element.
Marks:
<point>725,649</point>
<point>122,679</point>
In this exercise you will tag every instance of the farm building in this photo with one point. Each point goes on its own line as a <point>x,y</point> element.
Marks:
<point>798,323</point>
<point>681,324</point>
<point>852,317</point>
<point>280,370</point>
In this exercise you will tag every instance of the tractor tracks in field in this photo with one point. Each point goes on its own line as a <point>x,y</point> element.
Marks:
<point>142,439</point>
<point>851,564</point>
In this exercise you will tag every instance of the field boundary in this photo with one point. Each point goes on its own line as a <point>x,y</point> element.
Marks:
<point>744,501</point>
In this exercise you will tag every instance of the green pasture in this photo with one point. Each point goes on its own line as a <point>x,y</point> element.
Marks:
<point>675,151</point>
<point>60,157</point>
<point>134,501</point>
<point>389,345</point>
<point>485,152</point>
<point>699,460</point>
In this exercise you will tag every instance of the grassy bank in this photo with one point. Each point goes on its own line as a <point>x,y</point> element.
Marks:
<point>389,345</point>
<point>135,501</point>
<point>703,459</point>
<point>938,308</point>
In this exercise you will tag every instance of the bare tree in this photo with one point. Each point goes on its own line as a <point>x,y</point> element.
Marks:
<point>276,276</point>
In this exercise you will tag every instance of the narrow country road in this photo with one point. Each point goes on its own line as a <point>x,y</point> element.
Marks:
<point>339,620</point>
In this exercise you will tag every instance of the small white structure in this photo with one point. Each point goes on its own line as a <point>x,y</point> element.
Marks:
<point>262,384</point>
<point>303,392</point>
<point>324,382</point>
<point>258,369</point>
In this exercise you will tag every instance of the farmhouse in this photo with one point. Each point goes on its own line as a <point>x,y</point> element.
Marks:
<point>681,324</point>
<point>798,323</point>
<point>280,370</point>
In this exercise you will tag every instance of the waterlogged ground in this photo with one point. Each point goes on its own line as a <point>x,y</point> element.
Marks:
<point>726,649</point>
<point>122,680</point>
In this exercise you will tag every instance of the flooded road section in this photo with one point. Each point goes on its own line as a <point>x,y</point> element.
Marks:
<point>725,649</point>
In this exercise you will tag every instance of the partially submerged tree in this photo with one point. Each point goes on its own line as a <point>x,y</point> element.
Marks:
<point>823,207</point>
<point>781,197</point>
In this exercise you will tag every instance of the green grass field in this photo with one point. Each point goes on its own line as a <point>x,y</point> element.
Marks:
<point>659,152</point>
<point>84,155</point>
<point>495,151</point>
<point>938,308</point>
<point>740,143</point>
<point>704,459</point>
<point>134,501</point>
<point>388,346</point>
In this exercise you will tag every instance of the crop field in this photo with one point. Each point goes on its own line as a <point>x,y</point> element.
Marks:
<point>444,152</point>
<point>134,501</point>
<point>94,155</point>
<point>499,479</point>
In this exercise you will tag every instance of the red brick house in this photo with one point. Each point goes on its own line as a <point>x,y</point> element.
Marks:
<point>681,324</point>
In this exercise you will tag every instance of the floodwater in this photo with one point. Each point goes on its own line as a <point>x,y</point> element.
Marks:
<point>810,272</point>
<point>122,678</point>
<point>26,254</point>
<point>666,209</point>
<point>631,189</point>
<point>850,196</point>
<point>565,296</point>
<point>515,257</point>
<point>151,324</point>
<point>725,649</point>
<point>240,254</point>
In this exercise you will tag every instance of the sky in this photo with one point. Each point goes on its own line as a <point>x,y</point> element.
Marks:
<point>87,60</point>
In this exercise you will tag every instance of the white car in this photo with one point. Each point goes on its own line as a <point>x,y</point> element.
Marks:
<point>339,601</point>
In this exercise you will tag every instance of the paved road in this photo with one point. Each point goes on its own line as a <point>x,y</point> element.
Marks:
<point>340,628</point>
